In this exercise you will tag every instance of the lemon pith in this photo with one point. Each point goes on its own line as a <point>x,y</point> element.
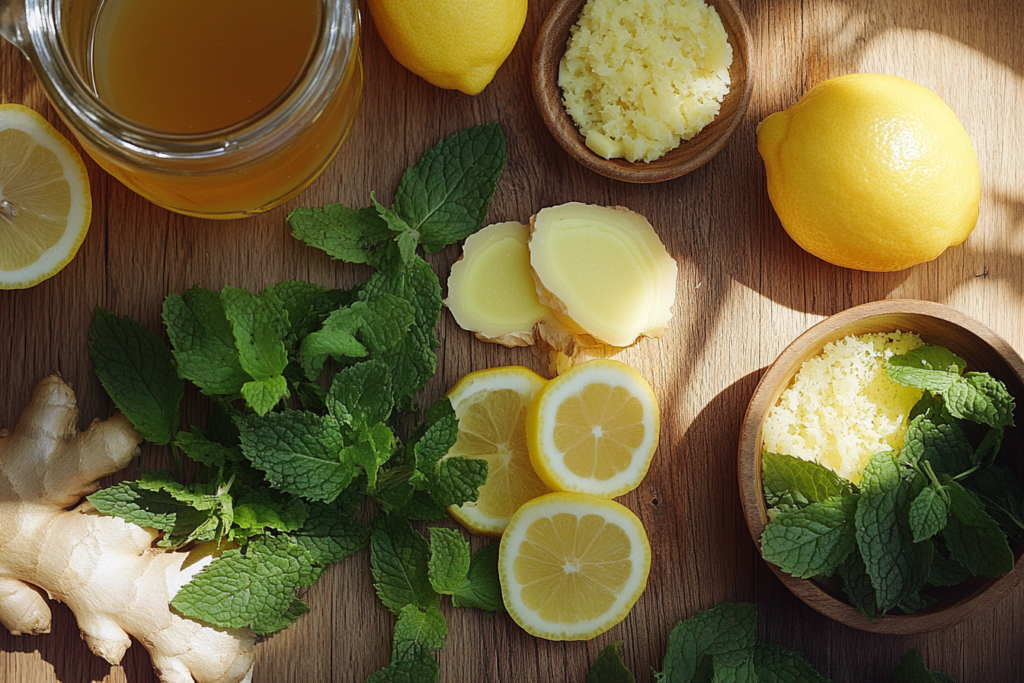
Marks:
<point>594,429</point>
<point>572,565</point>
<point>45,205</point>
<point>871,172</point>
<point>491,406</point>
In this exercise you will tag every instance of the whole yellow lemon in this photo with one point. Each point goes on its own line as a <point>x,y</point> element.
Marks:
<point>871,172</point>
<point>454,44</point>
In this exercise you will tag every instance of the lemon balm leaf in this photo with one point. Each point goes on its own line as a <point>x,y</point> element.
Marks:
<point>449,560</point>
<point>137,370</point>
<point>445,196</point>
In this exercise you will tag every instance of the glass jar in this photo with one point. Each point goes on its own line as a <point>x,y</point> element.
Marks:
<point>243,169</point>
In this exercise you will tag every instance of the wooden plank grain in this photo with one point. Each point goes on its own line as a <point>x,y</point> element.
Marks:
<point>745,290</point>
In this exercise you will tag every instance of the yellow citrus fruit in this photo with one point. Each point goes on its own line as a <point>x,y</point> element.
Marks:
<point>572,565</point>
<point>871,172</point>
<point>594,429</point>
<point>454,44</point>
<point>491,407</point>
<point>45,205</point>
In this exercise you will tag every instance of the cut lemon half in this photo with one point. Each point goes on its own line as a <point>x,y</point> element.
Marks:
<point>491,406</point>
<point>594,429</point>
<point>572,565</point>
<point>45,205</point>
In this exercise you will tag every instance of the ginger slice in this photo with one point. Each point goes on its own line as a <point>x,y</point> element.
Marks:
<point>603,268</point>
<point>491,290</point>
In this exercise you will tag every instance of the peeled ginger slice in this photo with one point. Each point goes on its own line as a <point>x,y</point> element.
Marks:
<point>605,268</point>
<point>491,291</point>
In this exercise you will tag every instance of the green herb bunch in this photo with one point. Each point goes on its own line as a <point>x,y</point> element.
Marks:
<point>285,461</point>
<point>720,645</point>
<point>938,512</point>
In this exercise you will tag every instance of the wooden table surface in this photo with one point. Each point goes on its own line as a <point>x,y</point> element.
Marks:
<point>745,290</point>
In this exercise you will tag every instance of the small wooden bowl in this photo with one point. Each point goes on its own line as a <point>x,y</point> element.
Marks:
<point>936,324</point>
<point>690,154</point>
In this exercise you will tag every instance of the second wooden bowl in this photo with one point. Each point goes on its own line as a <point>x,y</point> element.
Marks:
<point>690,154</point>
<point>936,324</point>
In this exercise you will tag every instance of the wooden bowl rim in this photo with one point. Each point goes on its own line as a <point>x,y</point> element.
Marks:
<point>988,591</point>
<point>547,96</point>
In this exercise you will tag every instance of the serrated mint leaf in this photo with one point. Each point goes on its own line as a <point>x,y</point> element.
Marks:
<point>398,558</point>
<point>734,667</point>
<point>345,234</point>
<point>481,589</point>
<point>407,243</point>
<point>138,373</point>
<point>254,585</point>
<point>361,395</point>
<point>386,319</point>
<point>297,454</point>
<point>418,633</point>
<point>898,567</point>
<point>261,508</point>
<point>337,337</point>
<point>204,346</point>
<point>987,451</point>
<point>777,664</point>
<point>981,398</point>
<point>974,539</point>
<point>1003,497</point>
<point>609,667</point>
<point>424,626</point>
<point>458,480</point>
<point>421,507</point>
<point>814,540</point>
<point>153,509</point>
<point>785,474</point>
<point>918,602</point>
<point>928,367</point>
<point>946,572</point>
<point>857,585</point>
<point>718,632</point>
<point>259,326</point>
<point>927,514</point>
<point>263,395</point>
<point>445,196</point>
<point>441,434</point>
<point>331,532</point>
<point>198,447</point>
<point>939,442</point>
<point>276,622</point>
<point>911,669</point>
<point>448,565</point>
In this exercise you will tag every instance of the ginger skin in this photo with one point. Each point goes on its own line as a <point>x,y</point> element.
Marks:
<point>104,568</point>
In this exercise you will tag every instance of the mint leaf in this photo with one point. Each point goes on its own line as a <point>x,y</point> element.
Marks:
<point>458,481</point>
<point>361,395</point>
<point>915,603</point>
<point>345,234</point>
<point>448,565</point>
<point>927,514</point>
<point>440,435</point>
<point>137,371</point>
<point>857,585</point>
<point>330,532</point>
<point>987,451</point>
<point>734,667</point>
<point>297,453</point>
<point>974,539</point>
<point>204,346</point>
<point>981,398</point>
<point>911,669</point>
<point>154,509</point>
<point>445,196</point>
<point>938,441</point>
<point>928,367</point>
<point>259,326</point>
<point>424,626</point>
<point>609,667</point>
<point>777,664</point>
<point>897,566</point>
<point>1003,497</point>
<point>814,540</point>
<point>481,589</point>
<point>946,572</point>
<point>783,475</point>
<point>263,395</point>
<point>197,446</point>
<point>260,508</point>
<point>398,558</point>
<point>718,632</point>
<point>417,634</point>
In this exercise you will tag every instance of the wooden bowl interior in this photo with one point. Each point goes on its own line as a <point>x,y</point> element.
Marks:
<point>691,154</point>
<point>937,325</point>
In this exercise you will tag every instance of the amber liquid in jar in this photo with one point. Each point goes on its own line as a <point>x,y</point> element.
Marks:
<point>193,66</point>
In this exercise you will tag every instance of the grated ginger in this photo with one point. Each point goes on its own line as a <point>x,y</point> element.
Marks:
<point>842,408</point>
<point>640,76</point>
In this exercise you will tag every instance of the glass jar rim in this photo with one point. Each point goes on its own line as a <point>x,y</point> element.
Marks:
<point>102,126</point>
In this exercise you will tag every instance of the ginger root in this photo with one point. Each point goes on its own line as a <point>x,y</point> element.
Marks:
<point>104,568</point>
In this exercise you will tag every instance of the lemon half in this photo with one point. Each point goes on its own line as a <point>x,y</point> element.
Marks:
<point>45,205</point>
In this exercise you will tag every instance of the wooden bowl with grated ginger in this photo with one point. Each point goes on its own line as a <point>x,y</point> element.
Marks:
<point>689,154</point>
<point>937,325</point>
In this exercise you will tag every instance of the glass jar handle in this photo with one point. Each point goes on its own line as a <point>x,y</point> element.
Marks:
<point>13,26</point>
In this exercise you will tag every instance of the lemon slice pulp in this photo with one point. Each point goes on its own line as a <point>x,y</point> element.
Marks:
<point>572,565</point>
<point>594,429</point>
<point>491,406</point>
<point>45,205</point>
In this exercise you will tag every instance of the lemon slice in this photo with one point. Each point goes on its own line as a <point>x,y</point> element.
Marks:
<point>594,429</point>
<point>572,565</point>
<point>45,206</point>
<point>491,406</point>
